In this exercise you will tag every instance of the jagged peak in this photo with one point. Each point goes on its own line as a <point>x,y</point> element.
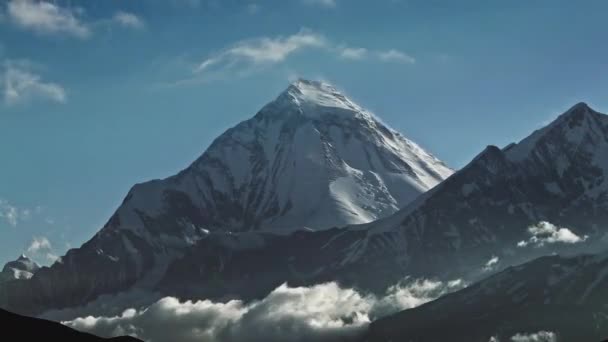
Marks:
<point>564,125</point>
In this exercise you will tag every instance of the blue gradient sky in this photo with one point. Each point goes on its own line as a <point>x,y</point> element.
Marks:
<point>98,95</point>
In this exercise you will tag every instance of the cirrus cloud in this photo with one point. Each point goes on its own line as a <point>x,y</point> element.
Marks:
<point>396,56</point>
<point>264,50</point>
<point>323,3</point>
<point>128,20</point>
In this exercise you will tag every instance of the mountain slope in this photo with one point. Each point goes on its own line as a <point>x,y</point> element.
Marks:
<point>477,217</point>
<point>21,328</point>
<point>311,159</point>
<point>561,295</point>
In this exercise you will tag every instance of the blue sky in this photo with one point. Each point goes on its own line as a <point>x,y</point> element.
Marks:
<point>98,95</point>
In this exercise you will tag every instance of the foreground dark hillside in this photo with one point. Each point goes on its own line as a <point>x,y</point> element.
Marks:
<point>21,328</point>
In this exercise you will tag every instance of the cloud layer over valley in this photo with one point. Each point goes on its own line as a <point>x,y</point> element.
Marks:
<point>324,312</point>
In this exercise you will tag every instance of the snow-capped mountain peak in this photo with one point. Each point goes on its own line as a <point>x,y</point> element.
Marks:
<point>315,98</point>
<point>311,158</point>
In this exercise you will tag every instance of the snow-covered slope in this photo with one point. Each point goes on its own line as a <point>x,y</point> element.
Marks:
<point>563,296</point>
<point>311,159</point>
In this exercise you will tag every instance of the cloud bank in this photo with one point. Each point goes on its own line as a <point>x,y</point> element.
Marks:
<point>325,312</point>
<point>541,336</point>
<point>548,233</point>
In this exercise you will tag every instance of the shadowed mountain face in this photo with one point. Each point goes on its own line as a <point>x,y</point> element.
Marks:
<point>311,159</point>
<point>558,174</point>
<point>21,328</point>
<point>561,295</point>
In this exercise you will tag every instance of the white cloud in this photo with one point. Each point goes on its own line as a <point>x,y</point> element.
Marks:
<point>253,8</point>
<point>353,53</point>
<point>46,18</point>
<point>20,84</point>
<point>38,244</point>
<point>548,233</point>
<point>491,264</point>
<point>263,51</point>
<point>541,336</point>
<point>9,213</point>
<point>321,313</point>
<point>248,56</point>
<point>40,248</point>
<point>396,56</point>
<point>323,3</point>
<point>129,20</point>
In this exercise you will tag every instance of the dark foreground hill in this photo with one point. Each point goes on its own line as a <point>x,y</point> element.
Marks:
<point>22,328</point>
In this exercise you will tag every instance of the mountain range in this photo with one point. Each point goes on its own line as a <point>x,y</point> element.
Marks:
<point>314,188</point>
<point>308,161</point>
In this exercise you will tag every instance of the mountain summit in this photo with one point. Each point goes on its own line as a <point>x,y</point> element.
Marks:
<point>309,160</point>
<point>314,99</point>
<point>312,158</point>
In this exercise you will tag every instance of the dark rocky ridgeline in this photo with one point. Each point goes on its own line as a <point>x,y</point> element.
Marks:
<point>21,328</point>
<point>564,296</point>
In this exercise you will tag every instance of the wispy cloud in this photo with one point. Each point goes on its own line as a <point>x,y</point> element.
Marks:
<point>41,249</point>
<point>20,84</point>
<point>325,312</point>
<point>47,18</point>
<point>323,3</point>
<point>38,244</point>
<point>263,51</point>
<point>9,213</point>
<point>129,20</point>
<point>248,56</point>
<point>541,336</point>
<point>253,8</point>
<point>396,56</point>
<point>353,53</point>
<point>491,264</point>
<point>548,233</point>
